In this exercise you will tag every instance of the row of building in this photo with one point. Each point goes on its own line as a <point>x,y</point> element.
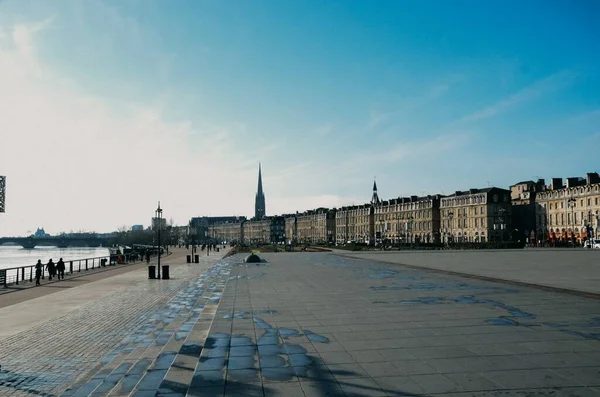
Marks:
<point>562,211</point>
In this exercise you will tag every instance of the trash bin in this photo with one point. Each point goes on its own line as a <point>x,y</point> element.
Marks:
<point>197,258</point>
<point>189,259</point>
<point>165,272</point>
<point>152,272</point>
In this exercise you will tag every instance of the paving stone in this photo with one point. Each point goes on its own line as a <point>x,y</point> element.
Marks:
<point>320,324</point>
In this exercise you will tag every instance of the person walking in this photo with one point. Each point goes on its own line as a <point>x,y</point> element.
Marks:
<point>60,268</point>
<point>51,267</point>
<point>38,271</point>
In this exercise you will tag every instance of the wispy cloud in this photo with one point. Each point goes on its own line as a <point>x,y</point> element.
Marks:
<point>376,118</point>
<point>68,153</point>
<point>324,129</point>
<point>554,82</point>
<point>587,116</point>
<point>429,94</point>
<point>408,150</point>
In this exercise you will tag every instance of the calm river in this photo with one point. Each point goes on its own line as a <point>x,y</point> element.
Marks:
<point>15,256</point>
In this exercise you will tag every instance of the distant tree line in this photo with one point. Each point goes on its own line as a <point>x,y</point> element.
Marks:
<point>169,235</point>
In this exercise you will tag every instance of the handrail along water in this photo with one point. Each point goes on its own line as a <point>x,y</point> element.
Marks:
<point>19,274</point>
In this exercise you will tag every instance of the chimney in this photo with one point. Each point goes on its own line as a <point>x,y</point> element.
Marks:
<point>557,183</point>
<point>540,184</point>
<point>457,193</point>
<point>574,181</point>
<point>592,178</point>
<point>472,191</point>
<point>414,198</point>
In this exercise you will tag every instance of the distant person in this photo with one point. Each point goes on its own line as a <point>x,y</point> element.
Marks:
<point>51,267</point>
<point>38,271</point>
<point>60,269</point>
<point>148,257</point>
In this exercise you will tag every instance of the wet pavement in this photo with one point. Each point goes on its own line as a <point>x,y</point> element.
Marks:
<point>317,324</point>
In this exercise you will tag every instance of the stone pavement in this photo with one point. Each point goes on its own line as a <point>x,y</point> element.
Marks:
<point>25,291</point>
<point>569,269</point>
<point>54,357</point>
<point>312,324</point>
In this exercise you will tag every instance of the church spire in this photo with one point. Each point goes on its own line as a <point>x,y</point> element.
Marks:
<point>260,189</point>
<point>259,203</point>
<point>375,199</point>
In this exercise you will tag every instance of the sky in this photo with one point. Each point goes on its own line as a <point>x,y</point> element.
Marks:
<point>107,107</point>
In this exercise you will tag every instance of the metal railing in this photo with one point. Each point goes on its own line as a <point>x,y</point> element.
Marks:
<point>23,274</point>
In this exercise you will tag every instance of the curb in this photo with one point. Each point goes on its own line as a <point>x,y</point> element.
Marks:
<point>589,295</point>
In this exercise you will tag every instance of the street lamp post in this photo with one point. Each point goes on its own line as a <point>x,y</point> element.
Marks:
<point>571,204</point>
<point>450,217</point>
<point>158,214</point>
<point>502,224</point>
<point>410,226</point>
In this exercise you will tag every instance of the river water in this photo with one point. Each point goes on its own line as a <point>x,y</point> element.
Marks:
<point>15,256</point>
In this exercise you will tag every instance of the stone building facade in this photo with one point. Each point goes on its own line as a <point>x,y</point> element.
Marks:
<point>230,232</point>
<point>408,220</point>
<point>361,224</point>
<point>199,227</point>
<point>476,215</point>
<point>568,210</point>
<point>315,226</point>
<point>291,229</point>
<point>264,231</point>
<point>522,195</point>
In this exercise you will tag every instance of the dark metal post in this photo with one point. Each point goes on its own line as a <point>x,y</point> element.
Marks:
<point>158,216</point>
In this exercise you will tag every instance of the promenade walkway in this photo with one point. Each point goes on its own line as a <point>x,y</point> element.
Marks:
<point>568,269</point>
<point>309,324</point>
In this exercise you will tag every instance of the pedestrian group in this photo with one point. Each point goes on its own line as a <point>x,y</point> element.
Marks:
<point>54,270</point>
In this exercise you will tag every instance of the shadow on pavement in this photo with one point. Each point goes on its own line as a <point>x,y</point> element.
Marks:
<point>327,385</point>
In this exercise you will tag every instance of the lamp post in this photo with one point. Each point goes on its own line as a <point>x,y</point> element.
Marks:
<point>158,216</point>
<point>450,217</point>
<point>571,204</point>
<point>502,224</point>
<point>410,226</point>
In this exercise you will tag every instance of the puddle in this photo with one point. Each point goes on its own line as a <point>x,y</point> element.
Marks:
<point>502,321</point>
<point>315,337</point>
<point>440,287</point>
<point>288,333</point>
<point>567,328</point>
<point>470,300</point>
<point>383,274</point>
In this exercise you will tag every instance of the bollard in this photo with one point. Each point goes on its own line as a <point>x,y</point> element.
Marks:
<point>86,264</point>
<point>152,272</point>
<point>197,258</point>
<point>71,267</point>
<point>165,272</point>
<point>189,258</point>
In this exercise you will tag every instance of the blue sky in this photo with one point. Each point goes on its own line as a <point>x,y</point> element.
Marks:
<point>428,96</point>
